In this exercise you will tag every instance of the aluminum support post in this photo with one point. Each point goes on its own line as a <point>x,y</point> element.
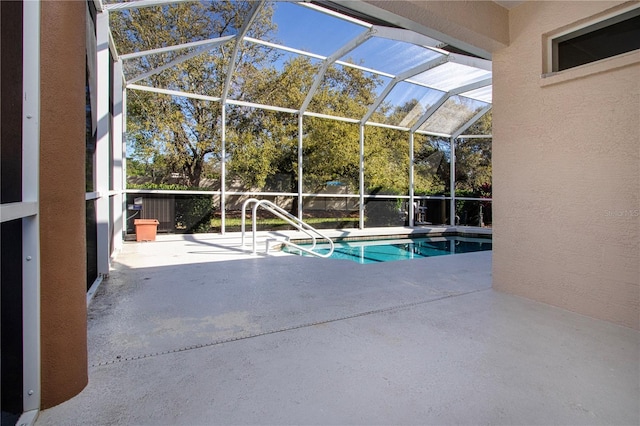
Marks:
<point>361,179</point>
<point>223,166</point>
<point>118,211</point>
<point>103,152</point>
<point>31,224</point>
<point>452,182</point>
<point>411,191</point>
<point>300,171</point>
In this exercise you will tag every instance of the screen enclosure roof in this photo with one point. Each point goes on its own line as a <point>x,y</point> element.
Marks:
<point>412,82</point>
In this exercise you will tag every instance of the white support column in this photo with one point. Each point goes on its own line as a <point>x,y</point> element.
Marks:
<point>452,182</point>
<point>31,224</point>
<point>118,211</point>
<point>102,143</point>
<point>223,163</point>
<point>411,189</point>
<point>361,224</point>
<point>124,161</point>
<point>300,186</point>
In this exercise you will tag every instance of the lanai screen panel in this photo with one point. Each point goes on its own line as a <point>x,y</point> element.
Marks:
<point>484,94</point>
<point>450,76</point>
<point>386,161</point>
<point>389,56</point>
<point>282,80</point>
<point>159,26</point>
<point>261,150</point>
<point>292,59</point>
<point>157,70</point>
<point>431,168</point>
<point>331,157</point>
<point>452,115</point>
<point>306,28</point>
<point>405,104</point>
<point>284,50</point>
<point>347,92</point>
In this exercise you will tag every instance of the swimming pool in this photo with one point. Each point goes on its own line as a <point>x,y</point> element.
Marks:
<point>388,250</point>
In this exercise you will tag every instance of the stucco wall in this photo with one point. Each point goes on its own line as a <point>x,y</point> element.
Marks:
<point>566,164</point>
<point>479,26</point>
<point>62,206</point>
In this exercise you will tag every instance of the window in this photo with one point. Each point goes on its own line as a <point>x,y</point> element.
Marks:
<point>606,38</point>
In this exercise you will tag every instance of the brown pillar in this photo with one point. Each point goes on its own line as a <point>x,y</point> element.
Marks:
<point>62,204</point>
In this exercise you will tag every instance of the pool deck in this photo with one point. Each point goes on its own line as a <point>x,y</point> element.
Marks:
<point>194,330</point>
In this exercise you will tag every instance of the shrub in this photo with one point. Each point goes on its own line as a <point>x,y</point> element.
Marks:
<point>194,213</point>
<point>384,212</point>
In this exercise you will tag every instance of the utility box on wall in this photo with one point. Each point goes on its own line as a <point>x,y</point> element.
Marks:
<point>163,209</point>
<point>152,206</point>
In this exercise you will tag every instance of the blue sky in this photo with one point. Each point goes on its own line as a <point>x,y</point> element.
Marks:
<point>307,29</point>
<point>310,30</point>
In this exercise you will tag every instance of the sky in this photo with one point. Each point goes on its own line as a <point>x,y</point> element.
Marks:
<point>307,29</point>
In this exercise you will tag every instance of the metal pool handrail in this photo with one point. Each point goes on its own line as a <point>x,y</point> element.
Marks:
<point>287,217</point>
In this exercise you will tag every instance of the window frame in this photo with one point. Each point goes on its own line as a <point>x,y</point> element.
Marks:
<point>594,23</point>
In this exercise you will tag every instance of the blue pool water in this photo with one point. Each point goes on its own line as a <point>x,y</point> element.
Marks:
<point>377,251</point>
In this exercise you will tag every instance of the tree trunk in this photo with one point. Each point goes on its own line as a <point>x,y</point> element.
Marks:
<point>194,173</point>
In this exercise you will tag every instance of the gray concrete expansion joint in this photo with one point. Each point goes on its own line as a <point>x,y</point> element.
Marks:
<point>403,306</point>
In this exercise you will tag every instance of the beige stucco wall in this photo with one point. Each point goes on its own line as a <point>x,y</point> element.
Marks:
<point>479,26</point>
<point>62,206</point>
<point>566,154</point>
<point>566,164</point>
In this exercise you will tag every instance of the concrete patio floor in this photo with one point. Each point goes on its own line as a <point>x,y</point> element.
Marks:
<point>178,337</point>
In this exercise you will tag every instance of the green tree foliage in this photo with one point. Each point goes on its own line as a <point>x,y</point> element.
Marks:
<point>171,134</point>
<point>331,152</point>
<point>386,161</point>
<point>431,167</point>
<point>262,146</point>
<point>473,159</point>
<point>185,130</point>
<point>473,162</point>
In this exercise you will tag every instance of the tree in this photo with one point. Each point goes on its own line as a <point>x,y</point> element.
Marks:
<point>431,168</point>
<point>185,130</point>
<point>172,134</point>
<point>473,159</point>
<point>332,148</point>
<point>263,145</point>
